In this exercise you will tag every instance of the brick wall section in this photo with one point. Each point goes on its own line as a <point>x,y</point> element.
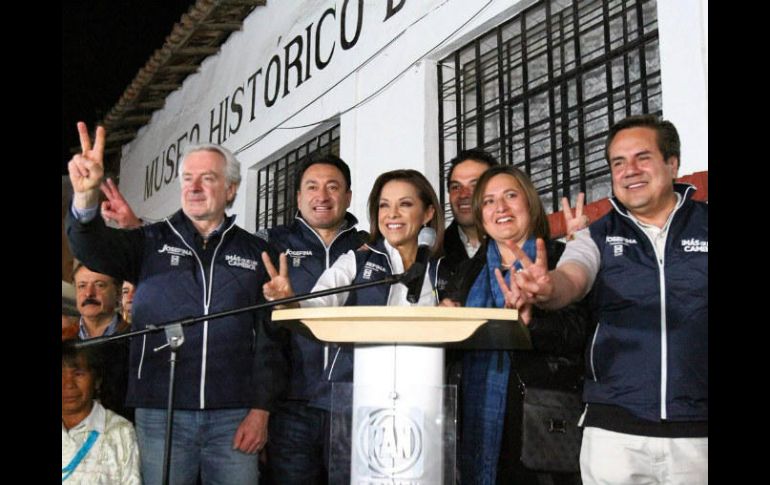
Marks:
<point>597,209</point>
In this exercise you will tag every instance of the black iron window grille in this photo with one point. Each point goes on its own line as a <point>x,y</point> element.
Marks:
<point>541,90</point>
<point>276,198</point>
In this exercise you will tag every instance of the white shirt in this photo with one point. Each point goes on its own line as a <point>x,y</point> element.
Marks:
<point>113,458</point>
<point>470,249</point>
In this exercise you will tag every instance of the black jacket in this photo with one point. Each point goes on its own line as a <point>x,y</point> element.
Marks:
<point>558,338</point>
<point>454,249</point>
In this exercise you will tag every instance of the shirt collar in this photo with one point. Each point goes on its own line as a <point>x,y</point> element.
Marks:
<point>93,422</point>
<point>470,249</point>
<point>396,263</point>
<point>218,229</point>
<point>111,328</point>
<point>655,229</point>
<point>190,227</point>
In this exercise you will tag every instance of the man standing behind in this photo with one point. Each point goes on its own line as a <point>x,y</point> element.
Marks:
<point>321,232</point>
<point>97,298</point>
<point>195,262</point>
<point>461,239</point>
<point>126,300</point>
<point>646,266</point>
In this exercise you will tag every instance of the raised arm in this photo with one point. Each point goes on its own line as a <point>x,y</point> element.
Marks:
<point>570,284</point>
<point>109,251</point>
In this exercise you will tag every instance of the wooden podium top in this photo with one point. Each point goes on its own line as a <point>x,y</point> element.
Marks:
<point>408,324</point>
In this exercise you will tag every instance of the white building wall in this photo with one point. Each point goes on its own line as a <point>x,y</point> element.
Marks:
<point>383,92</point>
<point>383,135</point>
<point>683,31</point>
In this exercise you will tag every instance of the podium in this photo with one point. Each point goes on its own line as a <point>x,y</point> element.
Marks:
<point>396,423</point>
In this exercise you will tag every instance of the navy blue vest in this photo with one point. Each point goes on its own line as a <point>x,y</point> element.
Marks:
<point>649,353</point>
<point>308,258</point>
<point>374,264</point>
<point>216,367</point>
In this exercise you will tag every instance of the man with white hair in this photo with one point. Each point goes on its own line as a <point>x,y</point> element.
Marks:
<point>195,262</point>
<point>322,231</point>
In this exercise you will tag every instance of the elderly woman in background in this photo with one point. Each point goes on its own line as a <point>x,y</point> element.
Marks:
<point>97,445</point>
<point>508,211</point>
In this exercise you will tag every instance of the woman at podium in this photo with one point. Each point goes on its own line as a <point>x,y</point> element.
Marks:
<point>507,210</point>
<point>402,202</point>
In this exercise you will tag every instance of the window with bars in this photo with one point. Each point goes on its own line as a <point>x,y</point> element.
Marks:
<point>276,196</point>
<point>541,90</point>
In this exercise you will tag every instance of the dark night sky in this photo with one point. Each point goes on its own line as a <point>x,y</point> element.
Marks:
<point>104,44</point>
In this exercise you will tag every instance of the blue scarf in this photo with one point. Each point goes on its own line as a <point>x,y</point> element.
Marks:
<point>485,292</point>
<point>485,381</point>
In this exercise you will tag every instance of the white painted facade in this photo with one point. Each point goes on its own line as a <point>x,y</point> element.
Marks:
<point>383,91</point>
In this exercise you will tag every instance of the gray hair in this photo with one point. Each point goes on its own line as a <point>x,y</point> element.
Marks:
<point>232,165</point>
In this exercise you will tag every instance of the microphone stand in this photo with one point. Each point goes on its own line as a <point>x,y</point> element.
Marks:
<point>175,338</point>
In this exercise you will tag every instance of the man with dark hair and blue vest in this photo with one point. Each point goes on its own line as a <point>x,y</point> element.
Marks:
<point>644,269</point>
<point>321,232</point>
<point>196,262</point>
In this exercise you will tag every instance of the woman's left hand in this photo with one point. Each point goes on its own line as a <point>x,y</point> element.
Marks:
<point>513,298</point>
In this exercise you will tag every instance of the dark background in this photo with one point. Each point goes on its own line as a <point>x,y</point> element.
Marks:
<point>104,44</point>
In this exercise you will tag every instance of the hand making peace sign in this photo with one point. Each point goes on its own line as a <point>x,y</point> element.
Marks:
<point>579,221</point>
<point>116,207</point>
<point>533,280</point>
<point>87,168</point>
<point>513,297</point>
<point>279,285</point>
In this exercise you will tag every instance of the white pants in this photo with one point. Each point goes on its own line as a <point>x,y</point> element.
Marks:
<point>610,458</point>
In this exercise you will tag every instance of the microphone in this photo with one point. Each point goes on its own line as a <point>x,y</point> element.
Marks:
<point>416,275</point>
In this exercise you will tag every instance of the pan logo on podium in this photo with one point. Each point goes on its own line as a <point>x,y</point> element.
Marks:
<point>390,445</point>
